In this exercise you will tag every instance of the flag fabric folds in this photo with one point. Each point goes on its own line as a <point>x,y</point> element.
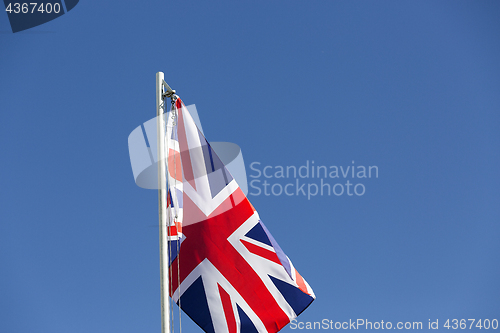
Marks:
<point>228,274</point>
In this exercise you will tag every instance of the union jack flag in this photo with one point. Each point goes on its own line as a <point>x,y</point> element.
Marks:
<point>227,272</point>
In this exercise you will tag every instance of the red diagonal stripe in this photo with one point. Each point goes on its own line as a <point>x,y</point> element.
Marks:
<point>260,251</point>
<point>228,309</point>
<point>300,282</point>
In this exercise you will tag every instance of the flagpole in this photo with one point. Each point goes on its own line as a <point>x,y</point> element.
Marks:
<point>162,205</point>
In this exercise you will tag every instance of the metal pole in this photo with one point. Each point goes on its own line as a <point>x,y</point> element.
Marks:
<point>162,205</point>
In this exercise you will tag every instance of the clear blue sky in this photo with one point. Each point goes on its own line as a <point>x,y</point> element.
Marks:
<point>411,87</point>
